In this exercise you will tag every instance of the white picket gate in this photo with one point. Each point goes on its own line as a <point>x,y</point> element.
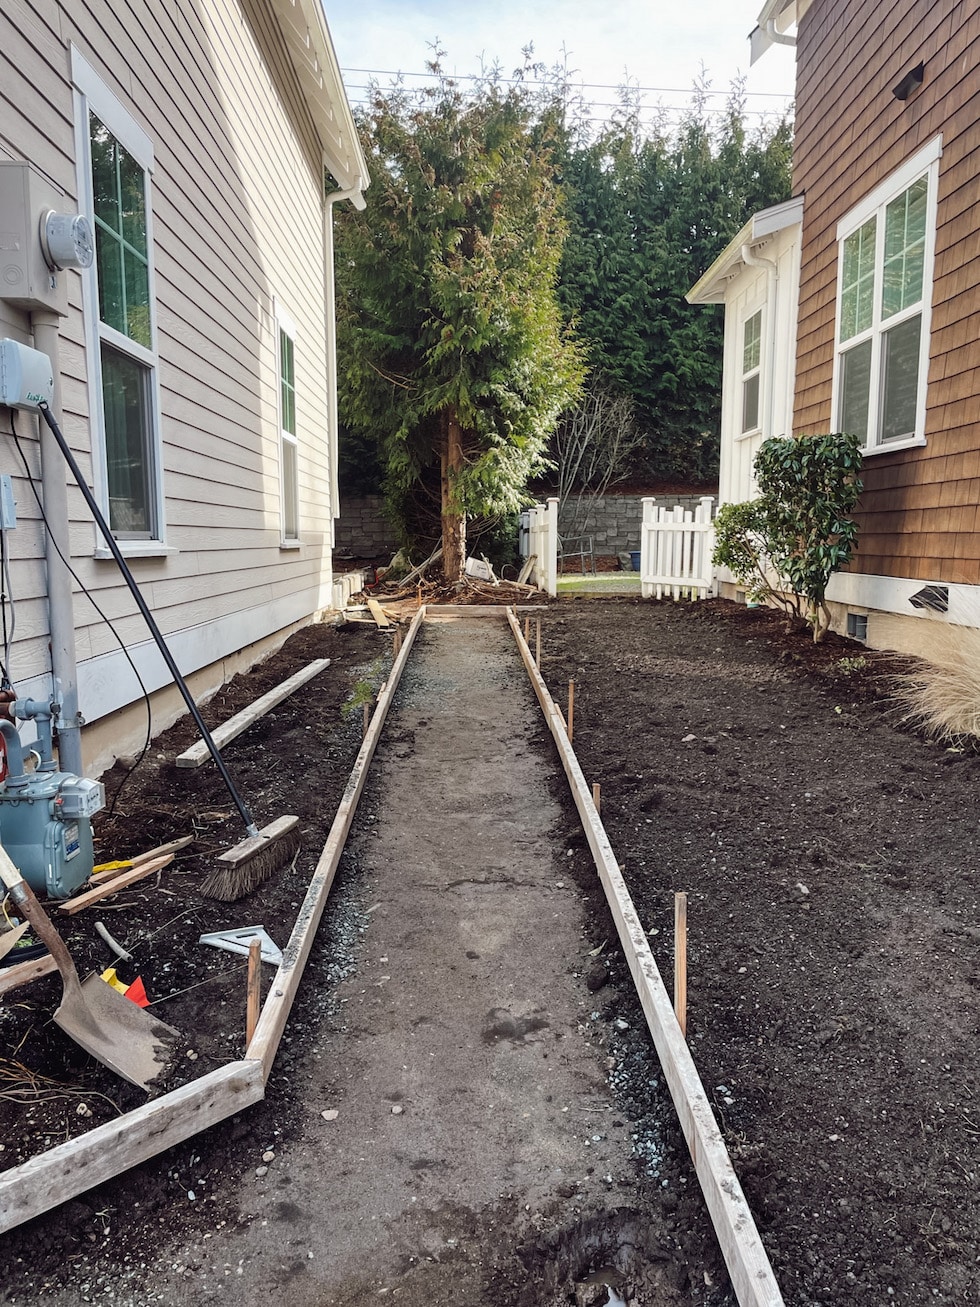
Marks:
<point>676,545</point>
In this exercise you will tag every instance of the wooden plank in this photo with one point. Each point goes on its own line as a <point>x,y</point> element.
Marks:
<point>748,1265</point>
<point>285,984</point>
<point>174,846</point>
<point>71,906</point>
<point>377,612</point>
<point>22,972</point>
<point>526,570</point>
<point>60,1173</point>
<point>199,753</point>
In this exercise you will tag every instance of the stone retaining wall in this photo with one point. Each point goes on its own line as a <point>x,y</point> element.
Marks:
<point>362,529</point>
<point>615,520</point>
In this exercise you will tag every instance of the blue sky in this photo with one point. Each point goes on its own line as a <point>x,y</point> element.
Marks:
<point>657,45</point>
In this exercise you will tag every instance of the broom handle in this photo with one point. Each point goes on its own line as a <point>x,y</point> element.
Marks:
<point>141,604</point>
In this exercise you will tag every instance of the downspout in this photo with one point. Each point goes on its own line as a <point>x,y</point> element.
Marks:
<point>772,277</point>
<point>777,38</point>
<point>61,616</point>
<point>352,193</point>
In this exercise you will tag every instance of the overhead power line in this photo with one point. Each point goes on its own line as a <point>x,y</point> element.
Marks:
<point>583,86</point>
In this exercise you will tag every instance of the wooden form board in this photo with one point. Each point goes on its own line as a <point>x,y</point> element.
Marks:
<point>748,1265</point>
<point>285,984</point>
<point>21,972</point>
<point>234,726</point>
<point>60,1173</point>
<point>69,1169</point>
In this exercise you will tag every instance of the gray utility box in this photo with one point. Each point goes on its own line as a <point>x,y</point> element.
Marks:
<point>46,829</point>
<point>26,281</point>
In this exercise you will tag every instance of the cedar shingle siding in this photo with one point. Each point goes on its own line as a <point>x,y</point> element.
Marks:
<point>919,513</point>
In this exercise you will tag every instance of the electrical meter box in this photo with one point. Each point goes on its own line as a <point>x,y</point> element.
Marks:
<point>26,280</point>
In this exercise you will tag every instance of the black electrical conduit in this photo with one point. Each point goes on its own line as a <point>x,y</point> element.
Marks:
<point>141,604</point>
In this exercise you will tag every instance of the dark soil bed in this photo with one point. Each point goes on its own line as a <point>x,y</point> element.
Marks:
<point>830,860</point>
<point>831,866</point>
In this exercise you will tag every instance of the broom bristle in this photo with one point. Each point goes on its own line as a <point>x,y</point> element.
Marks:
<point>245,867</point>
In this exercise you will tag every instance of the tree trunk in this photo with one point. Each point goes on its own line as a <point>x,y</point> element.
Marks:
<point>453,521</point>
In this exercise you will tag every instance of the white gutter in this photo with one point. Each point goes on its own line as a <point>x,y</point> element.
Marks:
<point>352,193</point>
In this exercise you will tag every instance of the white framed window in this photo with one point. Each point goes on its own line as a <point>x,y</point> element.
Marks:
<point>751,372</point>
<point>288,450</point>
<point>886,247</point>
<point>115,164</point>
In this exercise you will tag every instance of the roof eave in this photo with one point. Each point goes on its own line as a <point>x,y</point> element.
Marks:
<point>310,48</point>
<point>711,288</point>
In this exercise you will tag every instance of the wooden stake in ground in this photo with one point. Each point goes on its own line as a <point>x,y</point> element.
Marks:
<point>680,960</point>
<point>537,643</point>
<point>396,646</point>
<point>253,993</point>
<point>597,795</point>
<point>571,711</point>
<point>527,630</point>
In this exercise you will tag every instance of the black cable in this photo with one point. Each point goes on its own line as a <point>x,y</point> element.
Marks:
<point>148,617</point>
<point>88,595</point>
<point>7,636</point>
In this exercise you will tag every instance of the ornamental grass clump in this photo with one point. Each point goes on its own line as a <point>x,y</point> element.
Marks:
<point>940,696</point>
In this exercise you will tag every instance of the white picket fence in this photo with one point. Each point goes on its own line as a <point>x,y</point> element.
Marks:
<point>676,545</point>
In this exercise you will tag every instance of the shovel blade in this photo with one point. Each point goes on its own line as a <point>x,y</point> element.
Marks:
<point>118,1033</point>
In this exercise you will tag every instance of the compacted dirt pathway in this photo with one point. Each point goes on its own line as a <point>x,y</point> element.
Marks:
<point>459,1139</point>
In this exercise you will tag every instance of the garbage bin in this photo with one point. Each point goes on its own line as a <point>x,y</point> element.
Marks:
<point>635,559</point>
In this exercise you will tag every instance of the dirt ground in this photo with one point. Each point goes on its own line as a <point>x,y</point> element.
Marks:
<point>830,860</point>
<point>831,865</point>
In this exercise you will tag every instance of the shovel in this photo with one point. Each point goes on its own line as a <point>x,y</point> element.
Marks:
<point>104,1022</point>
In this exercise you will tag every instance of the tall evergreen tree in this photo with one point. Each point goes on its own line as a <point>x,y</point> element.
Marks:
<point>452,346</point>
<point>647,216</point>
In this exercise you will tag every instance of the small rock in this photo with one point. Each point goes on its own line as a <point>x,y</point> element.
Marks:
<point>688,738</point>
<point>330,1114</point>
<point>260,1171</point>
<point>268,1156</point>
<point>191,1055</point>
<point>192,1197</point>
<point>83,1109</point>
<point>397,1110</point>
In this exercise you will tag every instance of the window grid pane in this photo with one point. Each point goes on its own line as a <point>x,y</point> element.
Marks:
<point>857,285</point>
<point>900,379</point>
<point>287,383</point>
<point>905,243</point>
<point>119,186</point>
<point>290,491</point>
<point>752,347</point>
<point>855,390</point>
<point>126,396</point>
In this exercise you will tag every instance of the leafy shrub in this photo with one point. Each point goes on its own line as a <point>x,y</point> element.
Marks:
<point>785,545</point>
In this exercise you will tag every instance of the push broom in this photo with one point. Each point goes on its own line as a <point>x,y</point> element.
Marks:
<point>262,852</point>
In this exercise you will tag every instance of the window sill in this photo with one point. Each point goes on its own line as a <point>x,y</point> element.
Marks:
<point>137,549</point>
<point>748,435</point>
<point>894,446</point>
<point>289,546</point>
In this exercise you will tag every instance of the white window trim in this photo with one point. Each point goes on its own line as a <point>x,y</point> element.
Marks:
<point>286,326</point>
<point>756,305</point>
<point>924,162</point>
<point>91,93</point>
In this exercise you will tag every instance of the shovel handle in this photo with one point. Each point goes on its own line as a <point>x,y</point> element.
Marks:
<point>41,923</point>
